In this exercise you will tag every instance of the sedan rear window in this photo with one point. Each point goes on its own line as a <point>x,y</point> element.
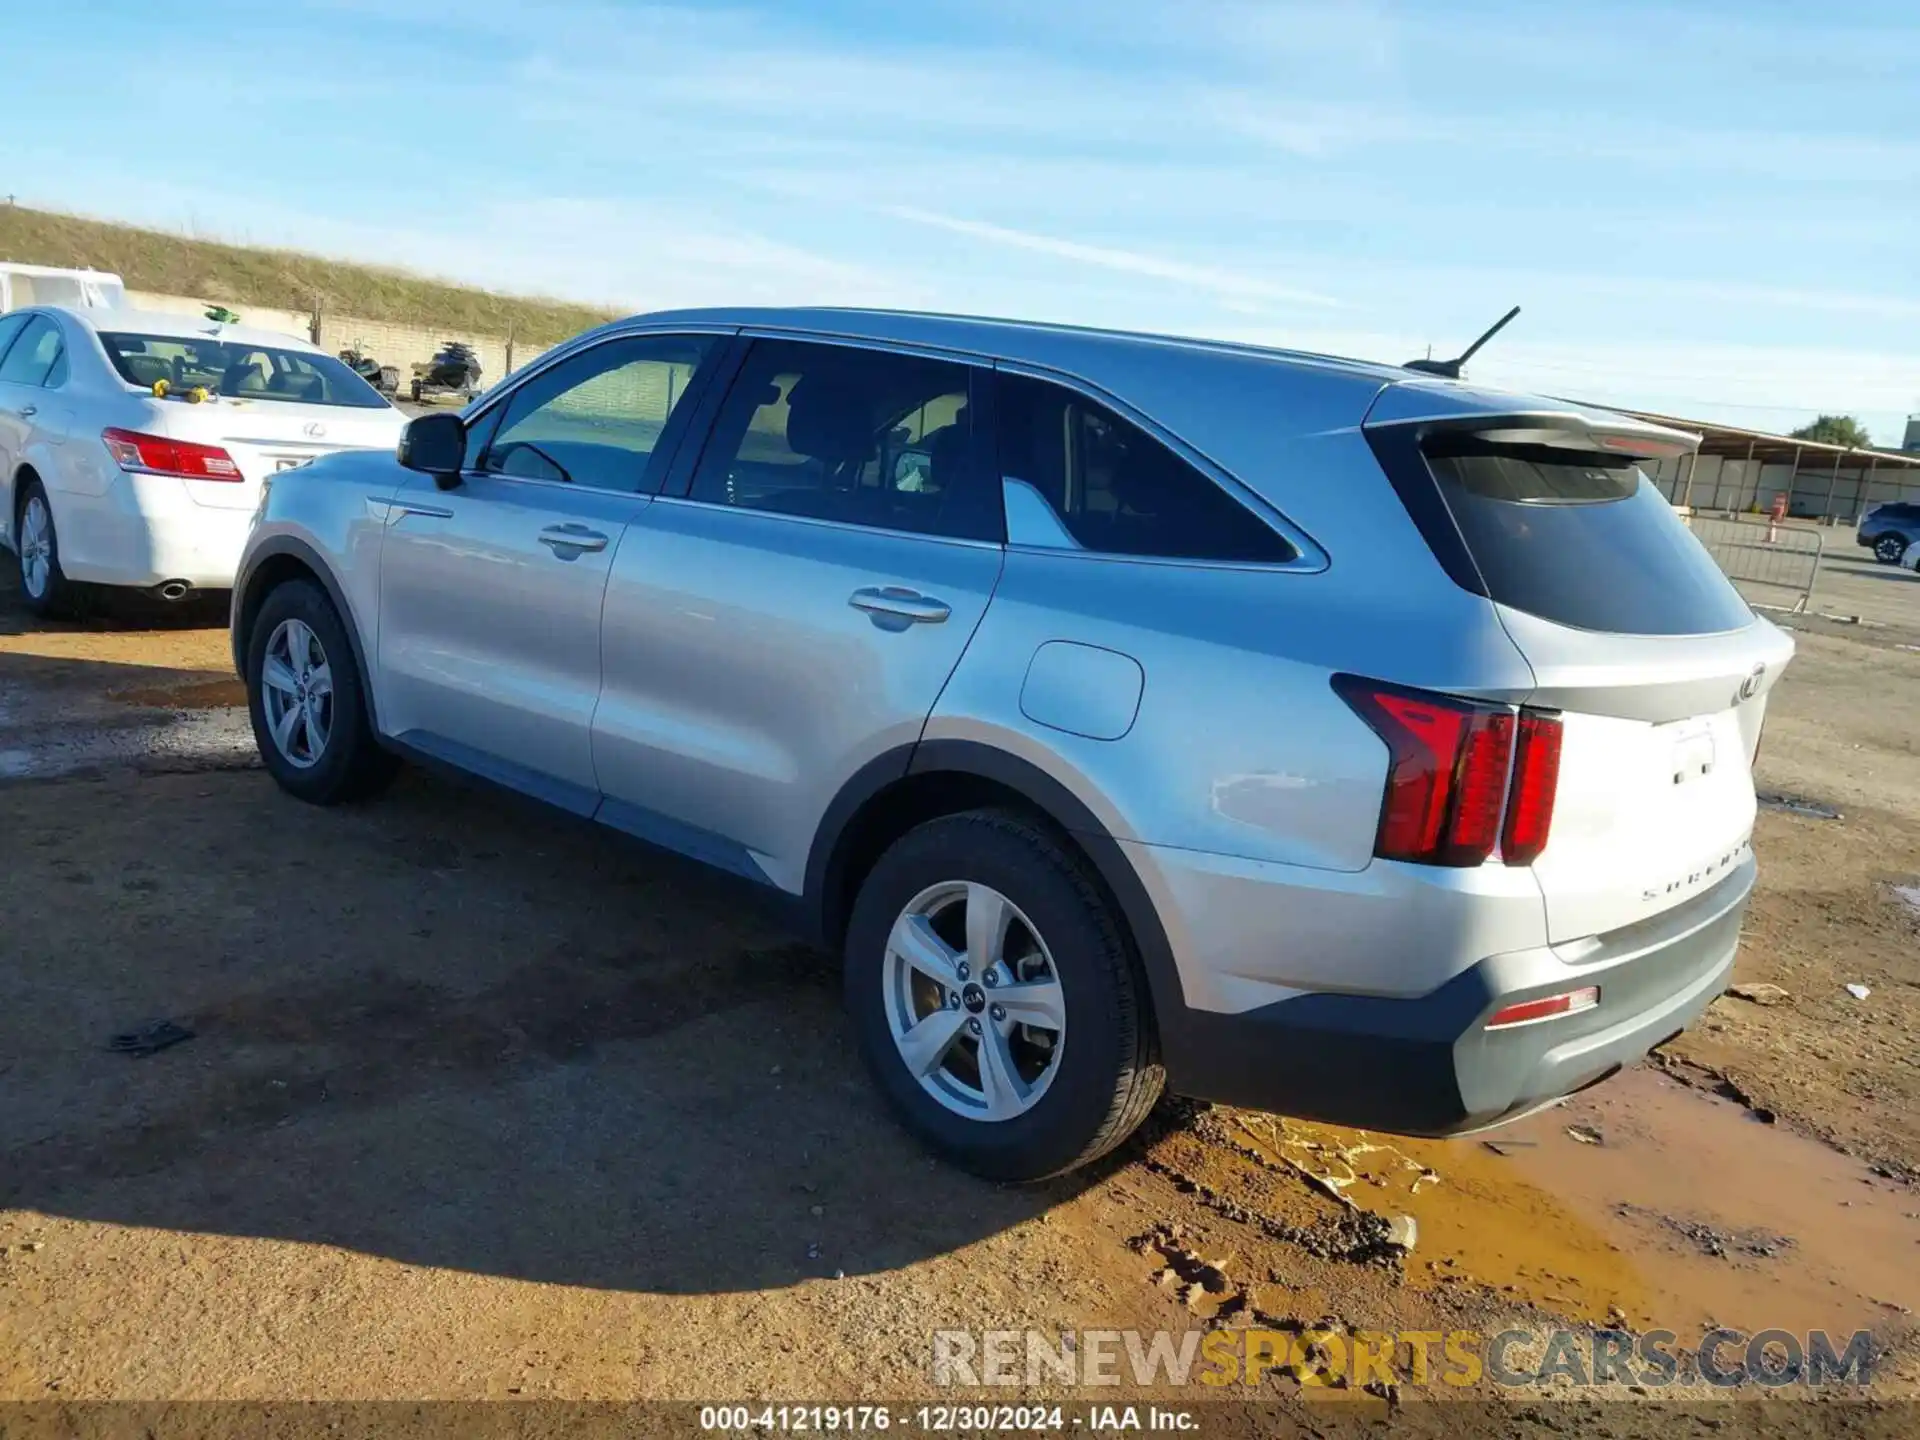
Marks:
<point>1578,538</point>
<point>238,370</point>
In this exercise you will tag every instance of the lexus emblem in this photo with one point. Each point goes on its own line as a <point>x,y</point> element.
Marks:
<point>1750,686</point>
<point>316,429</point>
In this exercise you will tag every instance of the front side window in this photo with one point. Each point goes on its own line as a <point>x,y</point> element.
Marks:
<point>34,354</point>
<point>237,370</point>
<point>596,418</point>
<point>864,437</point>
<point>1115,488</point>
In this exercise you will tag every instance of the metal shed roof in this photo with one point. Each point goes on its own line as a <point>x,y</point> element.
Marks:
<point>1737,444</point>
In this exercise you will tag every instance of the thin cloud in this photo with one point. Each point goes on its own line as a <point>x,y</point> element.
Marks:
<point>1225,283</point>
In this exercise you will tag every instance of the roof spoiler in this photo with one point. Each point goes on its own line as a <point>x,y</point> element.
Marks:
<point>1497,419</point>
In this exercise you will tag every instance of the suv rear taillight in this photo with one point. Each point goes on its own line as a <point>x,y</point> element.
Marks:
<point>1447,778</point>
<point>1536,779</point>
<point>158,455</point>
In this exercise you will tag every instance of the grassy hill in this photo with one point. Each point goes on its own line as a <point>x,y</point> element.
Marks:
<point>280,279</point>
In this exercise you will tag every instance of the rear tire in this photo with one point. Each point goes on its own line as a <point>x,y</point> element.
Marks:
<point>1057,1105</point>
<point>43,585</point>
<point>310,717</point>
<point>1889,548</point>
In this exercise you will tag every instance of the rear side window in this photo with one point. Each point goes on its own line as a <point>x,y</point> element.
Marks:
<point>1115,488</point>
<point>10,328</point>
<point>32,356</point>
<point>1581,539</point>
<point>863,437</point>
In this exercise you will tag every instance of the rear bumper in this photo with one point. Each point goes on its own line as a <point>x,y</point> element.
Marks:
<point>1426,1066</point>
<point>146,530</point>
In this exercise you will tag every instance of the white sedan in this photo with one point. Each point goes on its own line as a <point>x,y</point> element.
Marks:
<point>134,446</point>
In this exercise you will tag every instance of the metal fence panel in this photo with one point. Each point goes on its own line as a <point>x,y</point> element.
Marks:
<point>1770,564</point>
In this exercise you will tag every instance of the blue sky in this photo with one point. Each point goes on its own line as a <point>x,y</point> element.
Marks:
<point>1711,209</point>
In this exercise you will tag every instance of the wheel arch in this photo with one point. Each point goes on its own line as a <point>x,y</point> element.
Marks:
<point>16,489</point>
<point>24,473</point>
<point>913,784</point>
<point>284,558</point>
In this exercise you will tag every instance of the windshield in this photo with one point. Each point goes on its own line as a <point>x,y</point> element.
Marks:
<point>238,370</point>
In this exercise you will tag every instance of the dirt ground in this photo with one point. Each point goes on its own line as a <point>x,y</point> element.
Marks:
<point>484,1104</point>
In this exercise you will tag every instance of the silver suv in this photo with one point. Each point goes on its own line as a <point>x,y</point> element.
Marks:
<point>1130,712</point>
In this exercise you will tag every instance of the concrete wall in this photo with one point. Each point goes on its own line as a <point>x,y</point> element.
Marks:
<point>403,346</point>
<point>284,322</point>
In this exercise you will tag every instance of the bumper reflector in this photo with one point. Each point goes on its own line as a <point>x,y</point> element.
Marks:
<point>1547,1007</point>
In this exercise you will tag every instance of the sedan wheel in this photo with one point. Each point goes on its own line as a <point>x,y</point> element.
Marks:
<point>297,688</point>
<point>36,547</point>
<point>1889,548</point>
<point>973,1001</point>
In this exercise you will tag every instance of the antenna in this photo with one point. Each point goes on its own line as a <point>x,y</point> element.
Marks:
<point>1450,369</point>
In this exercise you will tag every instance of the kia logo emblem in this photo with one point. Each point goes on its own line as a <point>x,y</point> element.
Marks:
<point>316,429</point>
<point>1750,686</point>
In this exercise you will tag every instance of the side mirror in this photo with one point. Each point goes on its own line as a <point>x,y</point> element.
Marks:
<point>435,445</point>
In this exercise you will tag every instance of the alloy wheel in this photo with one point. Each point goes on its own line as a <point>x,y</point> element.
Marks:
<point>36,547</point>
<point>973,1001</point>
<point>296,687</point>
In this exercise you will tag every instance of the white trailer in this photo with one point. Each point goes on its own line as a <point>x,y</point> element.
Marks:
<point>22,285</point>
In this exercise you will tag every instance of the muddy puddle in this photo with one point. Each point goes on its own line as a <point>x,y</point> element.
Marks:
<point>214,693</point>
<point>162,721</point>
<point>1645,1203</point>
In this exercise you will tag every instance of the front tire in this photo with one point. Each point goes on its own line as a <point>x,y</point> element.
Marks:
<point>1889,548</point>
<point>996,1001</point>
<point>310,717</point>
<point>43,585</point>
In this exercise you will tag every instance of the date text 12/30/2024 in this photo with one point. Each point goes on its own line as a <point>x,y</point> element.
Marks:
<point>937,1419</point>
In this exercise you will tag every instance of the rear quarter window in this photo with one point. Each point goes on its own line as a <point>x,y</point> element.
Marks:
<point>1116,489</point>
<point>1580,539</point>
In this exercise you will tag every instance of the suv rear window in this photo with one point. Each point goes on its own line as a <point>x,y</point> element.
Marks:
<point>1578,538</point>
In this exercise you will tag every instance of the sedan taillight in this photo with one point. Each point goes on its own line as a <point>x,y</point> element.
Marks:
<point>1448,799</point>
<point>159,455</point>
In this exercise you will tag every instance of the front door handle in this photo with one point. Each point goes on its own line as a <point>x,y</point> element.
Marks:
<point>27,412</point>
<point>901,603</point>
<point>572,537</point>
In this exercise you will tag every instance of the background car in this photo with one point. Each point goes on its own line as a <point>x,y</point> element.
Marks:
<point>1128,712</point>
<point>134,446</point>
<point>1888,529</point>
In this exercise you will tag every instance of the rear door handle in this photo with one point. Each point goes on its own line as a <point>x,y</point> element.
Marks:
<point>572,537</point>
<point>901,603</point>
<point>27,412</point>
